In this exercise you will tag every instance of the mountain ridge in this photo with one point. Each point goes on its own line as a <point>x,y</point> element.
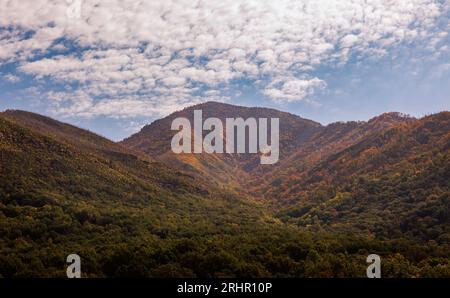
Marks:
<point>295,133</point>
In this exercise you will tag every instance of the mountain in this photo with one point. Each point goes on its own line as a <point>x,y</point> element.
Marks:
<point>323,168</point>
<point>88,141</point>
<point>303,145</point>
<point>223,169</point>
<point>392,183</point>
<point>135,209</point>
<point>335,138</point>
<point>65,189</point>
<point>31,139</point>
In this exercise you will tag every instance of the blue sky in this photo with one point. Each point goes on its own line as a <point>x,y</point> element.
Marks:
<point>113,66</point>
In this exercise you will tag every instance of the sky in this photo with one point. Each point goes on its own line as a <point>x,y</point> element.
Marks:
<point>112,66</point>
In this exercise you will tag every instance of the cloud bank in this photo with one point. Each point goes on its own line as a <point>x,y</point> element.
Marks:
<point>135,58</point>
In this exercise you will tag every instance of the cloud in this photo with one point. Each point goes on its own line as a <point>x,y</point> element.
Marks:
<point>293,89</point>
<point>125,57</point>
<point>11,78</point>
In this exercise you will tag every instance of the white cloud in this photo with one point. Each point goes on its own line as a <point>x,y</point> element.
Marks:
<point>293,89</point>
<point>11,78</point>
<point>164,54</point>
<point>349,40</point>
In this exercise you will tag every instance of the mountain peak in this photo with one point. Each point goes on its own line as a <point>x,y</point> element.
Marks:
<point>211,104</point>
<point>391,117</point>
<point>223,110</point>
<point>155,139</point>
